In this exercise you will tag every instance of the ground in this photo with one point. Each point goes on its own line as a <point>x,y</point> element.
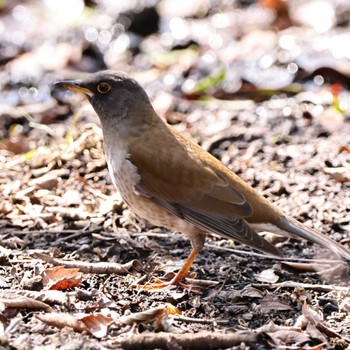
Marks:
<point>74,258</point>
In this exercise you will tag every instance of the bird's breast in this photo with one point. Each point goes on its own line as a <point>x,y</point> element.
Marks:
<point>123,173</point>
<point>125,177</point>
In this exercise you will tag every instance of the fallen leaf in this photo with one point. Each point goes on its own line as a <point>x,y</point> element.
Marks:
<point>96,268</point>
<point>172,310</point>
<point>97,324</point>
<point>15,301</point>
<point>288,337</point>
<point>61,278</point>
<point>267,276</point>
<point>61,320</point>
<point>251,292</point>
<point>272,302</point>
<point>143,316</point>
<point>315,316</point>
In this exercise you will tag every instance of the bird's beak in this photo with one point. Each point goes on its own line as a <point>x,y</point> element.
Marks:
<point>74,85</point>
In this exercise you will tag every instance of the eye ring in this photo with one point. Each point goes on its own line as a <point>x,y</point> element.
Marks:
<point>103,88</point>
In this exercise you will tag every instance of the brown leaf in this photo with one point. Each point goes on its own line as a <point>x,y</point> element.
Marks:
<point>61,320</point>
<point>15,301</point>
<point>61,278</point>
<point>97,324</point>
<point>251,292</point>
<point>16,146</point>
<point>272,302</point>
<point>97,268</point>
<point>48,296</point>
<point>297,267</point>
<point>314,333</point>
<point>288,337</point>
<point>315,316</point>
<point>144,316</point>
<point>172,310</point>
<point>47,181</point>
<point>344,149</point>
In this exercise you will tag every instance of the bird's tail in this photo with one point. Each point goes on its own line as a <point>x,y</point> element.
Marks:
<point>296,228</point>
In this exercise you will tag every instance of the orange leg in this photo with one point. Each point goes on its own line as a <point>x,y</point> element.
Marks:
<point>182,273</point>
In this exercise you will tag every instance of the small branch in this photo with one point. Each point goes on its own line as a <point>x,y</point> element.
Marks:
<point>53,232</point>
<point>291,284</point>
<point>95,268</point>
<point>76,234</point>
<point>193,341</point>
<point>265,256</point>
<point>51,297</point>
<point>199,320</point>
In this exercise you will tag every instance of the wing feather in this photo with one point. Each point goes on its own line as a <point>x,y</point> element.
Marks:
<point>188,185</point>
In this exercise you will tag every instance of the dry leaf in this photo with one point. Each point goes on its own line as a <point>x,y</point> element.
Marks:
<point>97,324</point>
<point>15,301</point>
<point>93,324</point>
<point>61,278</point>
<point>315,316</point>
<point>172,310</point>
<point>47,181</point>
<point>251,292</point>
<point>61,320</point>
<point>47,296</point>
<point>144,316</point>
<point>314,333</point>
<point>96,268</point>
<point>344,149</point>
<point>267,276</point>
<point>288,337</point>
<point>272,302</point>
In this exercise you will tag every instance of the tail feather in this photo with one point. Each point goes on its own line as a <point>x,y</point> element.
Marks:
<point>298,229</point>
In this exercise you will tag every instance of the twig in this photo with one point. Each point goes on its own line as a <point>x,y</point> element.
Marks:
<point>151,234</point>
<point>199,320</point>
<point>71,213</point>
<point>76,234</point>
<point>10,300</point>
<point>291,284</point>
<point>197,341</point>
<point>265,256</point>
<point>96,268</point>
<point>51,297</point>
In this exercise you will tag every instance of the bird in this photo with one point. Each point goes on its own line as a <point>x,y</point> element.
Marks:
<point>169,180</point>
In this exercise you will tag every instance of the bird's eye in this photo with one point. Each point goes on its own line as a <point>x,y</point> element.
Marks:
<point>103,88</point>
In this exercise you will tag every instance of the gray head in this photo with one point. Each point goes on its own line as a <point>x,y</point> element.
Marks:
<point>115,96</point>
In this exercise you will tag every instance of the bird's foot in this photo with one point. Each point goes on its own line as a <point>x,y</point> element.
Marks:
<point>159,284</point>
<point>177,280</point>
<point>192,285</point>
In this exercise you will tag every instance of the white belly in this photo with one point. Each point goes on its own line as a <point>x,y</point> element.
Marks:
<point>125,177</point>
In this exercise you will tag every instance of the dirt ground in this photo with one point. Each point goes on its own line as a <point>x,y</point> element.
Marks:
<point>268,102</point>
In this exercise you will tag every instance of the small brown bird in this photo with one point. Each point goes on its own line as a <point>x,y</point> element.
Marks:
<point>169,180</point>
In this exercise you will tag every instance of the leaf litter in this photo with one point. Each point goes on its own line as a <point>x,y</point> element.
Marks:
<point>270,104</point>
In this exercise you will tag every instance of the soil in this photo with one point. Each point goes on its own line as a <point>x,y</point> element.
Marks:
<point>57,201</point>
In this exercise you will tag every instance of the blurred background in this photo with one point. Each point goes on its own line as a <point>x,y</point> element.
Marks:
<point>227,72</point>
<point>224,71</point>
<point>247,48</point>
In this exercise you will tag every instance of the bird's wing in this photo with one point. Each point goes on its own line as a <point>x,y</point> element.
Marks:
<point>175,176</point>
<point>174,171</point>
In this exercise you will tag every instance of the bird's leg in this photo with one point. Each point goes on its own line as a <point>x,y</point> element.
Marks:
<point>197,244</point>
<point>181,274</point>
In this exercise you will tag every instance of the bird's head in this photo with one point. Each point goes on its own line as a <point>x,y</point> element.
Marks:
<point>115,96</point>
